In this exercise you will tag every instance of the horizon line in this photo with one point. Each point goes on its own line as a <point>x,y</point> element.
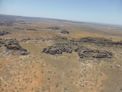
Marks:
<point>59,19</point>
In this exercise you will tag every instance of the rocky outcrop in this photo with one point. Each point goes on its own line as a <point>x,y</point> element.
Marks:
<point>2,33</point>
<point>90,53</point>
<point>99,41</point>
<point>13,46</point>
<point>53,50</point>
<point>83,52</point>
<point>54,28</point>
<point>65,32</point>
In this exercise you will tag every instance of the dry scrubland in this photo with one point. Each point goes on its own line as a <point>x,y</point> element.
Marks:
<point>42,55</point>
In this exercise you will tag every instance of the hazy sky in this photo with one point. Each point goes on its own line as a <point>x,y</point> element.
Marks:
<point>102,11</point>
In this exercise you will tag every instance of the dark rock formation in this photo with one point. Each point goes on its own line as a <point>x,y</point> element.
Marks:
<point>82,51</point>
<point>13,46</point>
<point>69,46</point>
<point>2,33</point>
<point>94,40</point>
<point>103,54</point>
<point>53,50</point>
<point>32,29</point>
<point>86,52</point>
<point>65,32</point>
<point>99,41</point>
<point>117,43</point>
<point>54,28</point>
<point>23,52</point>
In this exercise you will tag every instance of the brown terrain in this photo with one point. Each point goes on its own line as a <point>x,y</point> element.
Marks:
<point>49,55</point>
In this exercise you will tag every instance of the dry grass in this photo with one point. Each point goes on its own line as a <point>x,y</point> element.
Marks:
<point>39,72</point>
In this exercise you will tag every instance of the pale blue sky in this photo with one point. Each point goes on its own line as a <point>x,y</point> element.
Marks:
<point>101,11</point>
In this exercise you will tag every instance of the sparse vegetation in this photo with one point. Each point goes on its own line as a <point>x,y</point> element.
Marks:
<point>47,60</point>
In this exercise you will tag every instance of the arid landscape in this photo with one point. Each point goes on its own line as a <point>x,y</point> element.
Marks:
<point>51,55</point>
